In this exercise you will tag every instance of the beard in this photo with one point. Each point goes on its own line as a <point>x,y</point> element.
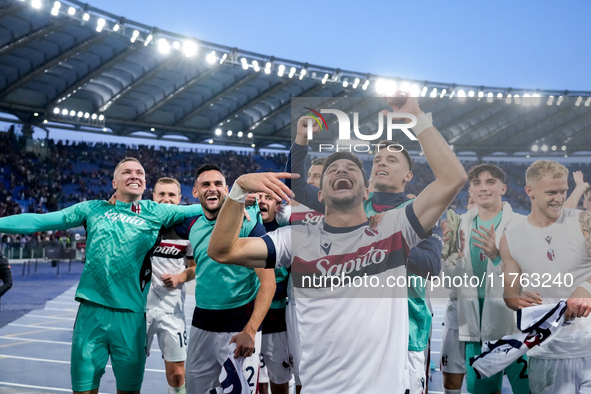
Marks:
<point>345,203</point>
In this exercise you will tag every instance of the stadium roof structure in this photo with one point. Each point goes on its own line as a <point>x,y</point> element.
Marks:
<point>70,65</point>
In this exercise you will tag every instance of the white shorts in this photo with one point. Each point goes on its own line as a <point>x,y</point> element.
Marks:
<point>263,375</point>
<point>171,332</point>
<point>274,350</point>
<point>207,352</point>
<point>452,352</point>
<point>416,372</point>
<point>293,340</point>
<point>566,375</point>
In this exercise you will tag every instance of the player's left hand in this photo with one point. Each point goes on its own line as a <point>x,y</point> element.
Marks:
<point>485,240</point>
<point>244,344</point>
<point>375,220</point>
<point>578,304</point>
<point>267,182</point>
<point>402,102</point>
<point>170,280</point>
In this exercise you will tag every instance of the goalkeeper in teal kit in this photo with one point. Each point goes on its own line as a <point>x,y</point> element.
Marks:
<point>115,282</point>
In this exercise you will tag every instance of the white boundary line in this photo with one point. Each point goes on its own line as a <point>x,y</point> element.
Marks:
<point>38,387</point>
<point>64,362</point>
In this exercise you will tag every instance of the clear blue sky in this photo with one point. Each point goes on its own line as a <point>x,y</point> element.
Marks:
<point>520,44</point>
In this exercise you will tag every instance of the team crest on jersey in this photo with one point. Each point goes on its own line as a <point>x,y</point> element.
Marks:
<point>370,232</point>
<point>136,207</point>
<point>551,255</point>
<point>482,256</point>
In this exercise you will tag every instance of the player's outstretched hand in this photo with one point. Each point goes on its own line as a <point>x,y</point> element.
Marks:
<point>579,180</point>
<point>529,298</point>
<point>267,182</point>
<point>244,344</point>
<point>578,304</point>
<point>402,102</point>
<point>302,129</point>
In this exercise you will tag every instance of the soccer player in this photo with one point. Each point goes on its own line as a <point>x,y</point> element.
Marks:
<point>481,313</point>
<point>582,189</point>
<point>390,173</point>
<point>354,339</point>
<point>274,349</point>
<point>231,302</point>
<point>172,266</point>
<point>547,257</point>
<point>115,281</point>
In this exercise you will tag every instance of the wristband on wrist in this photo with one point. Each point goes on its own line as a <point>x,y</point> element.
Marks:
<point>586,285</point>
<point>237,193</point>
<point>424,121</point>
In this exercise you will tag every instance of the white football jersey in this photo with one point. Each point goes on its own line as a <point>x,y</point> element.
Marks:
<point>169,257</point>
<point>354,339</point>
<point>554,261</point>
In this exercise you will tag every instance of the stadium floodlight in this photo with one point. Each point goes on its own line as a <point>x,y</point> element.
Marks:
<point>443,92</point>
<point>176,45</point>
<point>433,93</point>
<point>365,84</point>
<point>36,114</point>
<point>210,141</point>
<point>56,8</point>
<point>255,65</point>
<point>116,27</point>
<point>229,133</point>
<point>189,47</point>
<point>240,134</point>
<point>163,46</point>
<point>86,115</point>
<point>244,63</point>
<point>94,116</point>
<point>461,93</point>
<point>565,156</point>
<point>535,147</point>
<point>249,135</point>
<point>281,70</point>
<point>152,129</point>
<point>80,114</point>
<point>579,100</point>
<point>253,145</point>
<point>490,97</point>
<point>44,120</point>
<point>223,59</point>
<point>148,39</point>
<point>588,101</point>
<point>100,23</point>
<point>563,148</point>
<point>56,110</point>
<point>86,17</point>
<point>134,36</point>
<point>72,113</point>
<point>480,94</point>
<point>536,99</point>
<point>36,4</point>
<point>345,83</point>
<point>550,100</point>
<point>211,57</point>
<point>517,99</point>
<point>554,147</point>
<point>356,83</point>
<point>268,68</point>
<point>101,117</point>
<point>471,93</point>
<point>65,112</point>
<point>559,101</point>
<point>303,73</point>
<point>104,129</point>
<point>424,91</point>
<point>292,72</point>
<point>527,156</point>
<point>544,148</point>
<point>391,87</point>
<point>71,11</point>
<point>499,95</point>
<point>218,132</point>
<point>509,100</point>
<point>325,78</point>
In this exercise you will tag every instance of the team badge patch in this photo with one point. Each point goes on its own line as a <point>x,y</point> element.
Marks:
<point>551,255</point>
<point>136,207</point>
<point>483,256</point>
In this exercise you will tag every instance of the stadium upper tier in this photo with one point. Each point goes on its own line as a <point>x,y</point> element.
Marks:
<point>67,64</point>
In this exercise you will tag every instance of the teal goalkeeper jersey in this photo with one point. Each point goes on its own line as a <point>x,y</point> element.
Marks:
<point>220,286</point>
<point>119,239</point>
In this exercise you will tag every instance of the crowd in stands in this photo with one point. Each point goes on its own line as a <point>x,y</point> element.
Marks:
<point>70,172</point>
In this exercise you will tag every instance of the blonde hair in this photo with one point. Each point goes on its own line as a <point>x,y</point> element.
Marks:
<point>125,160</point>
<point>540,168</point>
<point>168,181</point>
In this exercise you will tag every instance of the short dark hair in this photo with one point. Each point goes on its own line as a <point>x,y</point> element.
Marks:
<point>347,156</point>
<point>493,170</point>
<point>208,167</point>
<point>318,162</point>
<point>387,144</point>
